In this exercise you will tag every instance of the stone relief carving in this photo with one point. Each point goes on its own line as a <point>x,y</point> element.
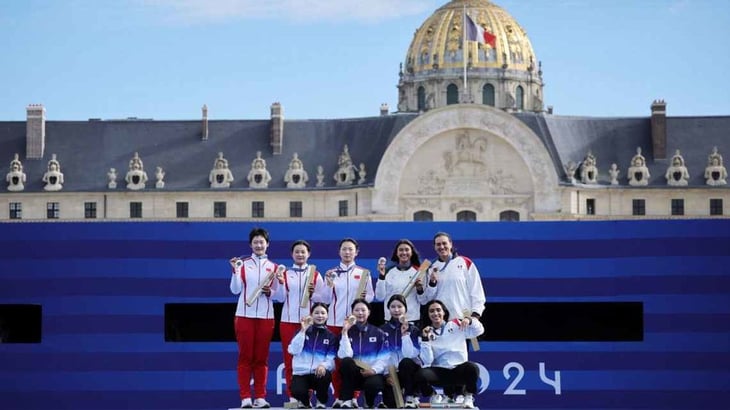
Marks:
<point>466,203</point>
<point>53,176</point>
<point>465,171</point>
<point>345,174</point>
<point>429,183</point>
<point>489,122</point>
<point>511,202</point>
<point>677,173</point>
<point>468,159</point>
<point>220,176</point>
<point>422,203</point>
<point>136,176</point>
<point>589,170</point>
<point>638,173</point>
<point>15,177</point>
<point>500,183</point>
<point>715,172</point>
<point>258,176</point>
<point>296,176</point>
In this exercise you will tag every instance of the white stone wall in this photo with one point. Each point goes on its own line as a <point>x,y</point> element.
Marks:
<point>316,205</point>
<point>617,203</point>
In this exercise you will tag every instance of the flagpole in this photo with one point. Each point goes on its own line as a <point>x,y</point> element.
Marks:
<point>464,53</point>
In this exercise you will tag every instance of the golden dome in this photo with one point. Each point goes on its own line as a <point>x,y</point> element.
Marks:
<point>437,44</point>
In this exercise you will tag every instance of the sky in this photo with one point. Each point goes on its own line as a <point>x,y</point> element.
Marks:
<point>164,59</point>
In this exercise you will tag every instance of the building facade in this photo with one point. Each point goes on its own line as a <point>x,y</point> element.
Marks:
<point>486,151</point>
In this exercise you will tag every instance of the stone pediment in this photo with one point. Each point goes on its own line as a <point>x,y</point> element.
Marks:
<point>449,149</point>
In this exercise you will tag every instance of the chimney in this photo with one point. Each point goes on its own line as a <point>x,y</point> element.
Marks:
<point>277,128</point>
<point>659,129</point>
<point>204,135</point>
<point>35,131</point>
<point>384,109</point>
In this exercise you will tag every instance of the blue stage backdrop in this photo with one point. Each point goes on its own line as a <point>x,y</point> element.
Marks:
<point>98,293</point>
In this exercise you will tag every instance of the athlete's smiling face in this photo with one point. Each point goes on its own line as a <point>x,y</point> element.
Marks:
<point>442,245</point>
<point>259,245</point>
<point>404,254</point>
<point>319,315</point>
<point>436,314</point>
<point>300,254</point>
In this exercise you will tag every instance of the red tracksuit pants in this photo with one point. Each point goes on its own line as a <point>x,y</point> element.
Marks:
<point>253,337</point>
<point>287,331</point>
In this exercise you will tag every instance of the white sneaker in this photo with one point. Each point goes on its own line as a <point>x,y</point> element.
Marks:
<point>320,405</point>
<point>411,403</point>
<point>347,404</point>
<point>437,398</point>
<point>246,403</point>
<point>261,403</point>
<point>337,404</point>
<point>468,401</point>
<point>459,399</point>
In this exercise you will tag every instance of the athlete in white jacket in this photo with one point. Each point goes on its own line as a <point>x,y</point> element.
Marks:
<point>254,325</point>
<point>294,284</point>
<point>456,278</point>
<point>444,355</point>
<point>394,279</point>
<point>344,282</point>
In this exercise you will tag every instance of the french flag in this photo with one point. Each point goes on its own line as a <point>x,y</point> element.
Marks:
<point>475,32</point>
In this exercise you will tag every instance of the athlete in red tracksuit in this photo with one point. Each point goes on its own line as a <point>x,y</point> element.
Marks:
<point>254,324</point>
<point>290,293</point>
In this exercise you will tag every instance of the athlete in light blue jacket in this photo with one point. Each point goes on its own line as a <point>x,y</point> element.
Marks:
<point>313,349</point>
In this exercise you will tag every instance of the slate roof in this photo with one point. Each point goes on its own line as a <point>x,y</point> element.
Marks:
<point>87,149</point>
<point>615,140</point>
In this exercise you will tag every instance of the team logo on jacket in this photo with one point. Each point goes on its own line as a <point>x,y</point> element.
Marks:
<point>373,339</point>
<point>356,276</point>
<point>326,342</point>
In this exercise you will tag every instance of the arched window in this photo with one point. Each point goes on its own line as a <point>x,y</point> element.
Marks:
<point>452,94</point>
<point>423,216</point>
<point>520,97</point>
<point>466,216</point>
<point>421,99</point>
<point>509,216</point>
<point>488,95</point>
